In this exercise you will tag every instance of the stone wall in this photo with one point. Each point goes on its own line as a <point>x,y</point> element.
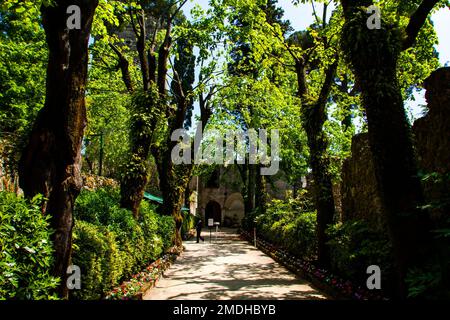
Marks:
<point>432,137</point>
<point>228,193</point>
<point>359,191</point>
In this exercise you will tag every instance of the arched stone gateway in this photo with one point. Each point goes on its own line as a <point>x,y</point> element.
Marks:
<point>233,210</point>
<point>224,188</point>
<point>213,211</point>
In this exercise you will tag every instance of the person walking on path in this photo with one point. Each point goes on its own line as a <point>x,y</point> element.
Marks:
<point>199,227</point>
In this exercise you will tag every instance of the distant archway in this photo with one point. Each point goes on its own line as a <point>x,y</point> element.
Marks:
<point>213,211</point>
<point>233,210</point>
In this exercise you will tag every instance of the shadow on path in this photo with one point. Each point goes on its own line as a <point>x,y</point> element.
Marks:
<point>229,268</point>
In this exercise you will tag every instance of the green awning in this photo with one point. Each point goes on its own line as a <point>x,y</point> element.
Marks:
<point>151,197</point>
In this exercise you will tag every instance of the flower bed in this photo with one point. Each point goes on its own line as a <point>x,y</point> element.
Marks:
<point>93,182</point>
<point>320,278</point>
<point>140,283</point>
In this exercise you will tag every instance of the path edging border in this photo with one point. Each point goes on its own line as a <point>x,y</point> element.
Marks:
<point>321,279</point>
<point>146,279</point>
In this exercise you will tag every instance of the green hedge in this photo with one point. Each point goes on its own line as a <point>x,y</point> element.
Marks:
<point>110,245</point>
<point>97,255</point>
<point>354,246</point>
<point>286,224</point>
<point>189,222</point>
<point>26,253</point>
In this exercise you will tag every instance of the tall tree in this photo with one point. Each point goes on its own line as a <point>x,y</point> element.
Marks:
<point>374,56</point>
<point>148,106</point>
<point>174,178</point>
<point>307,48</point>
<point>51,162</point>
<point>162,32</point>
<point>245,63</point>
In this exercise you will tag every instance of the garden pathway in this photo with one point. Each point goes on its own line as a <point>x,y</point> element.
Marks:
<point>228,268</point>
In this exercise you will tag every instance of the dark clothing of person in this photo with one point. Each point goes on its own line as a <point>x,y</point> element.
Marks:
<point>199,227</point>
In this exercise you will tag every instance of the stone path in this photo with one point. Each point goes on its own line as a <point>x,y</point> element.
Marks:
<point>228,268</point>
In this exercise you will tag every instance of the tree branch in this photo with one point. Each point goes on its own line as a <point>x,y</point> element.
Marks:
<point>183,2</point>
<point>124,68</point>
<point>326,87</point>
<point>324,15</point>
<point>133,24</point>
<point>180,92</point>
<point>315,13</point>
<point>417,21</point>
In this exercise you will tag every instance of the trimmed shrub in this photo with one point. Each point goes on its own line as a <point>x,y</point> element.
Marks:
<point>97,254</point>
<point>149,221</point>
<point>25,249</point>
<point>432,279</point>
<point>285,224</point>
<point>189,222</point>
<point>354,246</point>
<point>110,245</point>
<point>99,207</point>
<point>300,235</point>
<point>166,231</point>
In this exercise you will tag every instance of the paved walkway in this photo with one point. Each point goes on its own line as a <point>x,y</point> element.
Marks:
<point>228,268</point>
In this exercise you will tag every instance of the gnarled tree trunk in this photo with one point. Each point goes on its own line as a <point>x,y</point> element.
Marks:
<point>144,119</point>
<point>314,117</point>
<point>374,55</point>
<point>261,191</point>
<point>173,183</point>
<point>51,162</point>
